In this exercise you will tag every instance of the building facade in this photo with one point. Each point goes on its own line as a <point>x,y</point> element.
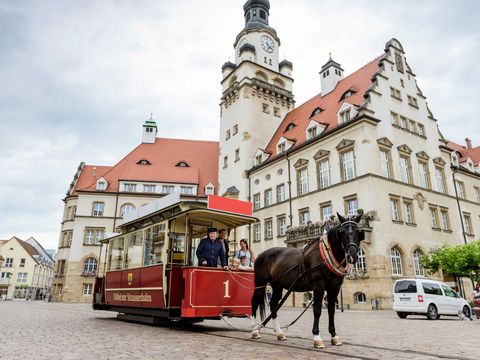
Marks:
<point>26,273</point>
<point>100,196</point>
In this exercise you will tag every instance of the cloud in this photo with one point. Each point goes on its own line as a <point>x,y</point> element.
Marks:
<point>80,77</point>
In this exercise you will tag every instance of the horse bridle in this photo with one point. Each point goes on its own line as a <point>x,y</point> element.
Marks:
<point>348,223</point>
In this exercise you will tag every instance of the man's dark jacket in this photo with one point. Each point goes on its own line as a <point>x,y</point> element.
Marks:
<point>210,251</point>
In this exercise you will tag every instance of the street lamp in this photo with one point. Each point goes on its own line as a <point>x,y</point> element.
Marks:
<point>454,168</point>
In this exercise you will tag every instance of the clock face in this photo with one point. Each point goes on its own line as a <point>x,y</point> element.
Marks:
<point>241,43</point>
<point>267,43</point>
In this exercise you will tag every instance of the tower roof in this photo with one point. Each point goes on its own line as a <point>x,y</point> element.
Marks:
<point>251,3</point>
<point>331,63</point>
<point>256,14</point>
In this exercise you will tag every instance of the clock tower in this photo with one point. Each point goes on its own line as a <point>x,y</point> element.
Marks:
<point>256,96</point>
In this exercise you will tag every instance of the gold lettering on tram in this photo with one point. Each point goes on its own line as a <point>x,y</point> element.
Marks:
<point>227,295</point>
<point>132,298</point>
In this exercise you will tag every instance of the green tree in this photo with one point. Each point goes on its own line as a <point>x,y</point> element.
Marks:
<point>460,260</point>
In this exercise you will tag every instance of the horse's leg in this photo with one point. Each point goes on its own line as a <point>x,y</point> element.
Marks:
<point>276,297</point>
<point>332,295</point>
<point>258,295</point>
<point>317,311</point>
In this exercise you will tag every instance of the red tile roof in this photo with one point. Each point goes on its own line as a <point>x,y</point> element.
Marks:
<point>28,248</point>
<point>164,155</point>
<point>359,82</point>
<point>473,153</point>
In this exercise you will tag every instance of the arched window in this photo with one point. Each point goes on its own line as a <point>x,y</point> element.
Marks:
<point>396,261</point>
<point>90,266</point>
<point>417,265</point>
<point>261,75</point>
<point>182,164</point>
<point>359,298</point>
<point>290,127</point>
<point>125,209</point>
<point>316,111</point>
<point>361,264</point>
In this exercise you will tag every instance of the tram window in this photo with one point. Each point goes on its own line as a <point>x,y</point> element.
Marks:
<point>133,251</point>
<point>178,242</point>
<point>154,243</point>
<point>116,254</point>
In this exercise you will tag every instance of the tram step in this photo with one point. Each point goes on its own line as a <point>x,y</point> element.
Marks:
<point>142,319</point>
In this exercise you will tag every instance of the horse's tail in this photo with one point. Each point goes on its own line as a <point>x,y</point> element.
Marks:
<point>258,301</point>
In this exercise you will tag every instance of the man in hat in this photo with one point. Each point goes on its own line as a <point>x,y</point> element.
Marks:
<point>210,250</point>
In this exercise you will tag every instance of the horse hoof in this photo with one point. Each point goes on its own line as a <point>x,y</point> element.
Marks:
<point>281,337</point>
<point>336,341</point>
<point>256,334</point>
<point>318,344</point>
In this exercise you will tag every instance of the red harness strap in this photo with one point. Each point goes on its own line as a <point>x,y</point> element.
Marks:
<point>329,260</point>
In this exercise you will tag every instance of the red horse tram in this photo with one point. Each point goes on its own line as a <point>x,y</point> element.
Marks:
<point>150,271</point>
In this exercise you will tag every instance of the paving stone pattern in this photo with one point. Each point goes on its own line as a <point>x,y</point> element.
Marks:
<point>39,330</point>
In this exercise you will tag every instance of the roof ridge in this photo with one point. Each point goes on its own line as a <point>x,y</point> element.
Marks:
<point>192,140</point>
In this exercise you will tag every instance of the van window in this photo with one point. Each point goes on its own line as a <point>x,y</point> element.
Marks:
<point>448,291</point>
<point>432,289</point>
<point>405,286</point>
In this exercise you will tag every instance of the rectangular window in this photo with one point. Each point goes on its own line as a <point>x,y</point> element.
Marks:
<point>22,262</point>
<point>424,175</point>
<point>89,236</point>
<point>311,133</point>
<point>302,178</point>
<point>282,226</point>
<point>304,216</point>
<point>235,130</point>
<point>168,189</point>
<point>405,169</point>
<point>403,122</point>
<point>408,212</point>
<point>129,187</point>
<point>256,201</point>
<point>413,127</point>
<point>399,62</point>
<point>348,165</point>
<point>87,289</point>
<point>476,190</point>
<point>440,180</point>
<point>237,155</point>
<point>394,210</point>
<point>257,230</point>
<point>225,161</point>
<point>467,220</point>
<point>412,101</point>
<point>22,278</point>
<point>394,118</point>
<point>324,174</point>
<point>8,262</point>
<point>67,238</point>
<point>281,193</point>
<point>268,197</point>
<point>98,208</point>
<point>281,148</point>
<point>227,134</point>
<point>434,217</point>
<point>385,163</point>
<point>395,93</point>
<point>186,190</point>
<point>461,189</point>
<point>209,190</point>
<point>93,236</point>
<point>351,206</point>
<point>421,130</point>
<point>101,185</point>
<point>445,219</point>
<point>149,188</point>
<point>345,116</point>
<point>325,211</point>
<point>268,229</point>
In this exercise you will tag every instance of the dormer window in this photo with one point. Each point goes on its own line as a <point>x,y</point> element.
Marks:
<point>290,127</point>
<point>144,162</point>
<point>281,148</point>
<point>345,116</point>
<point>316,112</point>
<point>258,159</point>
<point>209,189</point>
<point>182,164</point>
<point>347,94</point>
<point>101,185</point>
<point>312,132</point>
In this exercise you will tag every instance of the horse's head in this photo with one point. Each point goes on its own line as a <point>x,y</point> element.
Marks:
<point>350,236</point>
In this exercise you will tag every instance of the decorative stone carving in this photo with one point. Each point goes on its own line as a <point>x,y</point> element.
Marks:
<point>344,144</point>
<point>385,142</point>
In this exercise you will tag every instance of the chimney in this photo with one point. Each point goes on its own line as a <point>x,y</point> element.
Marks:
<point>469,143</point>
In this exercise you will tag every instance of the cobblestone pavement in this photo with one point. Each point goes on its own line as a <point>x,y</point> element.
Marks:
<point>39,330</point>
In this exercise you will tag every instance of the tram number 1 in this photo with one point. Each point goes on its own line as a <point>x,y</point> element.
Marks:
<point>227,295</point>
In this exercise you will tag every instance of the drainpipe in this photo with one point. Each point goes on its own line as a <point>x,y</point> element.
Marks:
<point>249,199</point>
<point>289,190</point>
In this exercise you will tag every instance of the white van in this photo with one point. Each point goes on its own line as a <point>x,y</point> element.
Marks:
<point>427,297</point>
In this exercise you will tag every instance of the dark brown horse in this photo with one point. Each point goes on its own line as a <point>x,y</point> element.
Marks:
<point>319,266</point>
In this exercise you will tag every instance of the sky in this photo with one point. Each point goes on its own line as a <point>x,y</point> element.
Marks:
<point>79,78</point>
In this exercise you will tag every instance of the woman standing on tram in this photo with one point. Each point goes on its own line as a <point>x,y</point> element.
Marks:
<point>247,252</point>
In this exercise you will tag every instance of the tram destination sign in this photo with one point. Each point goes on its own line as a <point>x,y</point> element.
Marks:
<point>230,205</point>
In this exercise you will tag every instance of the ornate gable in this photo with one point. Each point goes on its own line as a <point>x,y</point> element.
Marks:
<point>405,149</point>
<point>320,154</point>
<point>345,143</point>
<point>300,163</point>
<point>439,161</point>
<point>385,142</point>
<point>423,155</point>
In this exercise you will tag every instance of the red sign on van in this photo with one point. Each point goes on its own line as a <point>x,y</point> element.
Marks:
<point>230,205</point>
